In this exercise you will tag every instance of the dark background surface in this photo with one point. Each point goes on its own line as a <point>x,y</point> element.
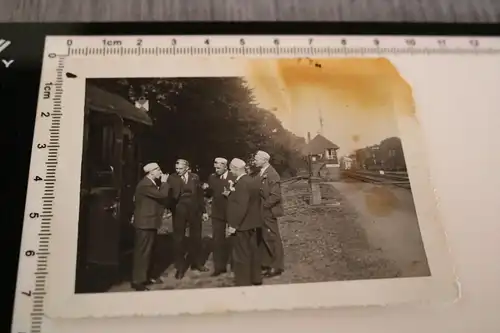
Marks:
<point>19,92</point>
<point>244,10</point>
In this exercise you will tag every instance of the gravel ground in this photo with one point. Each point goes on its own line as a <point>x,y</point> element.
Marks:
<point>322,243</point>
<point>388,217</point>
<point>326,241</point>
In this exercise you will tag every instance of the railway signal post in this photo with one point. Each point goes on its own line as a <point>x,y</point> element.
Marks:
<point>313,184</point>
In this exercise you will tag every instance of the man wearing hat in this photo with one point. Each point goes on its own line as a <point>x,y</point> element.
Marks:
<point>218,183</point>
<point>188,206</point>
<point>272,209</point>
<point>245,223</point>
<point>147,219</point>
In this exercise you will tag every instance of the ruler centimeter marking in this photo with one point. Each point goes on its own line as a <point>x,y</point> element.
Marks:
<point>269,51</point>
<point>32,275</point>
<point>37,226</point>
<point>290,46</point>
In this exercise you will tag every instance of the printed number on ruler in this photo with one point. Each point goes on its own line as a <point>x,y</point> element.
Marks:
<point>32,274</point>
<point>265,46</point>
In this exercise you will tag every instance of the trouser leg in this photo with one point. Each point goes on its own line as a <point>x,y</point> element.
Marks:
<point>143,245</point>
<point>179,226</point>
<point>195,241</point>
<point>220,244</point>
<point>242,258</point>
<point>272,249</point>
<point>256,257</point>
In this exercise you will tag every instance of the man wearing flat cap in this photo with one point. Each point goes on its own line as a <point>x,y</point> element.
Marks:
<point>219,182</point>
<point>147,219</point>
<point>245,223</point>
<point>187,204</point>
<point>272,209</point>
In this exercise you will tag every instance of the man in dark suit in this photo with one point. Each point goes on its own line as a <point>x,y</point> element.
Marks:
<point>272,209</point>
<point>147,219</point>
<point>245,222</point>
<point>187,204</point>
<point>218,182</point>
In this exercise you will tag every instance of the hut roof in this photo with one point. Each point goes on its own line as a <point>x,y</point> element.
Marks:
<point>103,101</point>
<point>318,145</point>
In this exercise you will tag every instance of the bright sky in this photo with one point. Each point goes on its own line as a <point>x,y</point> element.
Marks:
<point>355,96</point>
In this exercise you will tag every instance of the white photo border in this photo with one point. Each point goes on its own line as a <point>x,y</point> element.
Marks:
<point>61,300</point>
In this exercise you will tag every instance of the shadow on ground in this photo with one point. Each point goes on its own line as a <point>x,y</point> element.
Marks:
<point>100,278</point>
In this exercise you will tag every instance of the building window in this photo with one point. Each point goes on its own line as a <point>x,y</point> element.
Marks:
<point>329,153</point>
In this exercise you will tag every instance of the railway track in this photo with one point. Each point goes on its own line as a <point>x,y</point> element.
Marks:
<point>401,176</point>
<point>295,179</point>
<point>387,178</point>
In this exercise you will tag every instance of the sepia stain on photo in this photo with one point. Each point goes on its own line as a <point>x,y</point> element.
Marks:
<point>292,173</point>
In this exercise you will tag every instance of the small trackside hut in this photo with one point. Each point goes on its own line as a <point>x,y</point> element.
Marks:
<point>323,159</point>
<point>111,168</point>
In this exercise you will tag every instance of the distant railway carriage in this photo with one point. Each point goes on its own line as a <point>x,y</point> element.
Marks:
<point>368,158</point>
<point>111,168</point>
<point>391,155</point>
<point>388,156</point>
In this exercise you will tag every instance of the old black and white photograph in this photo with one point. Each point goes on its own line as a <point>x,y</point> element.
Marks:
<point>289,175</point>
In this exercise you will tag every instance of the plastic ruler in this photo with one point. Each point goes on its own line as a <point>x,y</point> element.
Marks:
<point>37,229</point>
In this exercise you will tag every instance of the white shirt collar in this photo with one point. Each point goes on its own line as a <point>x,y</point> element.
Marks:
<point>224,175</point>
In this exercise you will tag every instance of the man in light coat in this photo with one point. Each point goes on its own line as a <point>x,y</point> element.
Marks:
<point>272,209</point>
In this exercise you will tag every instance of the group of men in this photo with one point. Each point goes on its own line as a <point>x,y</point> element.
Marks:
<point>245,207</point>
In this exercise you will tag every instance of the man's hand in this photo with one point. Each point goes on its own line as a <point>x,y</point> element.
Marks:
<point>204,217</point>
<point>230,231</point>
<point>204,186</point>
<point>226,192</point>
<point>164,178</point>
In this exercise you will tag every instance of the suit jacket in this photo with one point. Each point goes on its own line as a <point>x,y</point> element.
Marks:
<point>148,204</point>
<point>176,184</point>
<point>219,201</point>
<point>243,205</point>
<point>270,191</point>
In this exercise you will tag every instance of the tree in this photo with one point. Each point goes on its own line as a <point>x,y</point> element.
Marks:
<point>201,118</point>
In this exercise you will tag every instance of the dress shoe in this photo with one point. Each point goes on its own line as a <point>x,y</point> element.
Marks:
<point>256,283</point>
<point>179,275</point>
<point>154,281</point>
<point>199,268</point>
<point>273,272</point>
<point>219,272</point>
<point>139,287</point>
